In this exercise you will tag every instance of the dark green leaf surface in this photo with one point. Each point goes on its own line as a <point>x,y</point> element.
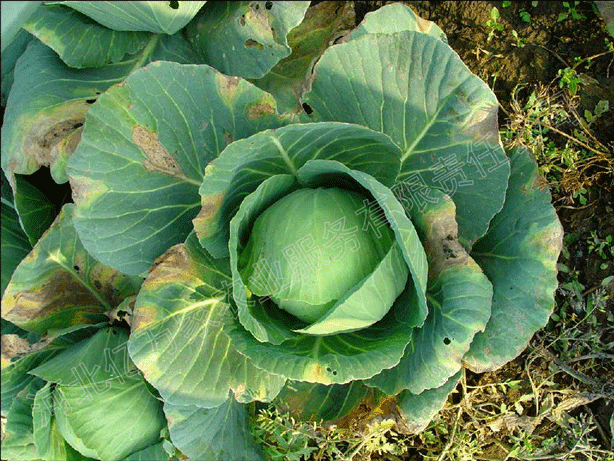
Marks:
<point>246,163</point>
<point>415,88</point>
<point>222,433</point>
<point>150,16</point>
<point>15,244</point>
<point>59,284</point>
<point>35,210</point>
<point>178,340</point>
<point>245,38</point>
<point>519,255</point>
<point>78,40</point>
<point>143,152</point>
<point>13,51</point>
<point>316,402</point>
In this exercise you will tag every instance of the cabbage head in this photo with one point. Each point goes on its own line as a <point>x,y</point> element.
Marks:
<point>345,232</point>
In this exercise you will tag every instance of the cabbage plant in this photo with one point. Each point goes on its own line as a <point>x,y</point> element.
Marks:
<point>267,210</point>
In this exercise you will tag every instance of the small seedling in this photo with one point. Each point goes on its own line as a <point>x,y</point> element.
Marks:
<point>571,12</point>
<point>493,23</point>
<point>570,79</point>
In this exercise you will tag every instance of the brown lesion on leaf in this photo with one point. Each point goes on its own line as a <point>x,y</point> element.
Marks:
<point>13,346</point>
<point>62,300</point>
<point>255,111</point>
<point>483,125</point>
<point>174,264</point>
<point>228,87</point>
<point>250,43</point>
<point>210,208</point>
<point>442,247</point>
<point>158,158</point>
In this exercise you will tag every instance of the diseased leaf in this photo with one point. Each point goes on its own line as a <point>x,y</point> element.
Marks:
<point>459,297</point>
<point>177,338</point>
<point>396,17</point>
<point>150,16</point>
<point>519,255</point>
<point>59,284</point>
<point>323,23</point>
<point>142,157</point>
<point>78,40</point>
<point>245,39</point>
<point>222,433</point>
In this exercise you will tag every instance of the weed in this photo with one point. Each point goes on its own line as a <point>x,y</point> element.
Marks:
<point>493,23</point>
<point>571,12</point>
<point>569,78</point>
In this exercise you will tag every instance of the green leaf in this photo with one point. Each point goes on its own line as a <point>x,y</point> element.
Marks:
<point>321,171</point>
<point>262,318</point>
<point>18,437</point>
<point>14,15</point>
<point>323,23</point>
<point>519,255</point>
<point>459,299</point>
<point>418,410</point>
<point>151,453</point>
<point>150,16</point>
<point>316,402</point>
<point>93,420</point>
<point>246,163</point>
<point>35,210</point>
<point>78,40</point>
<point>396,17</point>
<point>59,284</point>
<point>245,38</point>
<point>415,88</point>
<point>222,433</point>
<point>13,51</point>
<point>143,152</point>
<point>97,360</point>
<point>15,244</point>
<point>178,341</point>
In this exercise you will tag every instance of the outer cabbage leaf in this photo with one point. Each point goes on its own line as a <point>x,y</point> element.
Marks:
<point>18,439</point>
<point>178,340</point>
<point>323,23</point>
<point>59,284</point>
<point>9,57</point>
<point>142,156</point>
<point>222,433</point>
<point>78,40</point>
<point>246,163</point>
<point>244,38</point>
<point>518,254</point>
<point>418,410</point>
<point>414,88</point>
<point>396,17</point>
<point>459,299</point>
<point>93,421</point>
<point>151,16</point>
<point>47,104</point>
